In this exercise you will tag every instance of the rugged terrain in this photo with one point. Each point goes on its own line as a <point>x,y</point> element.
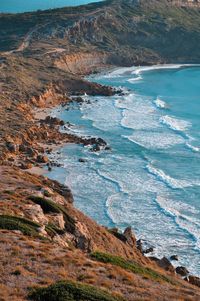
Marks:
<point>43,58</point>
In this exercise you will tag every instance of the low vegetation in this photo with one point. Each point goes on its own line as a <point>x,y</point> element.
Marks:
<point>48,206</point>
<point>52,230</point>
<point>26,226</point>
<point>71,291</point>
<point>130,266</point>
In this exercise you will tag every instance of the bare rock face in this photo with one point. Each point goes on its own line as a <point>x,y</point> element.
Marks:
<point>165,264</point>
<point>131,240</point>
<point>42,231</point>
<point>26,165</point>
<point>83,239</point>
<point>58,220</point>
<point>35,213</point>
<point>193,280</point>
<point>60,241</point>
<point>182,271</point>
<point>42,159</point>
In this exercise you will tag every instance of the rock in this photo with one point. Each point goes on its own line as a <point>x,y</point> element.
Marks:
<point>149,250</point>
<point>31,152</point>
<point>117,234</point>
<point>17,232</point>
<point>107,148</point>
<point>139,245</point>
<point>165,264</point>
<point>26,166</point>
<point>47,192</point>
<point>42,159</point>
<point>78,99</point>
<point>36,214</point>
<point>12,147</point>
<point>82,160</point>
<point>58,220</point>
<point>42,231</point>
<point>22,148</point>
<point>61,242</point>
<point>193,280</point>
<point>83,239</point>
<point>174,257</point>
<point>49,168</point>
<point>153,258</point>
<point>49,151</point>
<point>53,121</point>
<point>128,233</point>
<point>182,271</point>
<point>96,148</point>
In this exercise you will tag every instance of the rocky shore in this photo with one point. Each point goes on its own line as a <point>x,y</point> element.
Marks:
<point>44,239</point>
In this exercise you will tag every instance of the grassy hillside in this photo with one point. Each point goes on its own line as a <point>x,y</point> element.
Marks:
<point>134,33</point>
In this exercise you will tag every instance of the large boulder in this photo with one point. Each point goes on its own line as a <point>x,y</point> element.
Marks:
<point>83,238</point>
<point>57,219</point>
<point>36,214</point>
<point>182,271</point>
<point>193,280</point>
<point>130,237</point>
<point>165,264</point>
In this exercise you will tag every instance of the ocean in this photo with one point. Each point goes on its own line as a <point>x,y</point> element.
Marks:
<point>19,6</point>
<point>150,179</point>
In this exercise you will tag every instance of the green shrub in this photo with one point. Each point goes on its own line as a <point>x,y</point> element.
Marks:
<point>130,266</point>
<point>26,226</point>
<point>49,206</point>
<point>52,230</point>
<point>71,291</point>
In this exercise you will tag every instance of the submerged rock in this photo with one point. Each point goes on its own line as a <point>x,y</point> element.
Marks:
<point>82,160</point>
<point>174,257</point>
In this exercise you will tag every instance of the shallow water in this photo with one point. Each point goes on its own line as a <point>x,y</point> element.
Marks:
<point>151,178</point>
<point>19,6</point>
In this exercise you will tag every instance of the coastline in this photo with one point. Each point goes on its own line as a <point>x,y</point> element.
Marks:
<point>155,67</point>
<point>53,247</point>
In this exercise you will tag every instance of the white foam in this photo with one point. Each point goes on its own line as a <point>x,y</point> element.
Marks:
<point>175,124</point>
<point>134,79</point>
<point>174,209</point>
<point>193,148</point>
<point>155,140</point>
<point>139,70</point>
<point>103,114</point>
<point>138,112</point>
<point>161,104</point>
<point>172,182</point>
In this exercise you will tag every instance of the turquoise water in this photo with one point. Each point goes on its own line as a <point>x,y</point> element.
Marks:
<point>19,6</point>
<point>151,177</point>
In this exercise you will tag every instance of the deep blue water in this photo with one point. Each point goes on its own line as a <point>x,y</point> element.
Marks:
<point>19,6</point>
<point>151,178</point>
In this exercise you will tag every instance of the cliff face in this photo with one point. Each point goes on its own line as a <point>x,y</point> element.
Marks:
<point>45,239</point>
<point>82,63</point>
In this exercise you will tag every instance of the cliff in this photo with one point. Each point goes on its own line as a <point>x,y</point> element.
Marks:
<point>43,58</point>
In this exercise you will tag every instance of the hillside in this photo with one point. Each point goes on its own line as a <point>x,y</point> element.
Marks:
<point>44,57</point>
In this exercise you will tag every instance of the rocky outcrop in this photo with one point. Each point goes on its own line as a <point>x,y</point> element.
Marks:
<point>193,280</point>
<point>182,271</point>
<point>82,63</point>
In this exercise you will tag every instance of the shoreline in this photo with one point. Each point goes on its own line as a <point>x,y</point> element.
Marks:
<point>48,61</point>
<point>161,67</point>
